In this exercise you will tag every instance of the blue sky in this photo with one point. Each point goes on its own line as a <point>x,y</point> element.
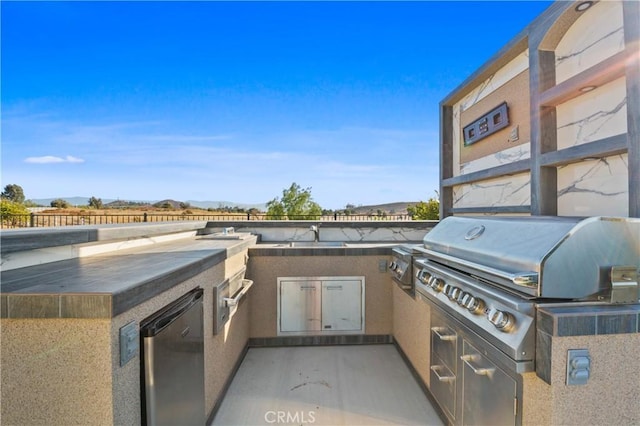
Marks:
<point>235,101</point>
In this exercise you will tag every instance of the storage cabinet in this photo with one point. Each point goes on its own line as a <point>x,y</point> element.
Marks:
<point>320,305</point>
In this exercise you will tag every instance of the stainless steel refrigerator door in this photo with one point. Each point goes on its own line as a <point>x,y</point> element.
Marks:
<point>174,371</point>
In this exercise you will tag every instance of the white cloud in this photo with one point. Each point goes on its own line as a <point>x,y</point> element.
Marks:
<point>51,159</point>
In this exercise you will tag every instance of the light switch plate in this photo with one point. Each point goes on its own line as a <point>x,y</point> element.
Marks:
<point>129,342</point>
<point>514,134</point>
<point>382,265</point>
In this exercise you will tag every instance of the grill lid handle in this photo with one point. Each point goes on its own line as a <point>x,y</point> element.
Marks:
<point>624,284</point>
<point>528,279</point>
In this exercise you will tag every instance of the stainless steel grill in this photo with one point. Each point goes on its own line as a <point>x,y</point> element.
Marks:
<point>484,277</point>
<point>541,257</point>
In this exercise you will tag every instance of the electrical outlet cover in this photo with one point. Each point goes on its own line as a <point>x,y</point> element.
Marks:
<point>129,342</point>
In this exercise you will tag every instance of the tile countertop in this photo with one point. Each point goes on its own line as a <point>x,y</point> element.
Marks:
<point>105,285</point>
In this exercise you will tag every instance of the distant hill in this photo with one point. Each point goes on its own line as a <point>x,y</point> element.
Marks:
<point>173,203</point>
<point>124,204</point>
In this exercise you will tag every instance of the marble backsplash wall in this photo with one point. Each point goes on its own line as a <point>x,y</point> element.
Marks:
<point>597,35</point>
<point>600,186</point>
<point>519,152</point>
<point>594,188</point>
<point>504,191</point>
<point>593,116</point>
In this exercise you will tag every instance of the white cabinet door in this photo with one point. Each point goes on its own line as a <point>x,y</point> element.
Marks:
<point>342,305</point>
<point>300,305</point>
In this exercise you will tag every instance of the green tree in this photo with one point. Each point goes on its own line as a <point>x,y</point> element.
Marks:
<point>13,214</point>
<point>60,203</point>
<point>425,211</point>
<point>96,203</point>
<point>296,203</point>
<point>13,192</point>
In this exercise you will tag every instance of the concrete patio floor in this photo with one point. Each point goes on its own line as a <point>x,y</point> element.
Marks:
<point>325,385</point>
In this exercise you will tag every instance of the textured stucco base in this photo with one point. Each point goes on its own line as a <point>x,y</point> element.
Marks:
<point>611,395</point>
<point>609,398</point>
<point>411,325</point>
<point>265,270</point>
<point>536,401</point>
<point>56,372</point>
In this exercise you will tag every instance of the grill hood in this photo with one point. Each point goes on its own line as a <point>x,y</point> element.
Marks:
<point>543,257</point>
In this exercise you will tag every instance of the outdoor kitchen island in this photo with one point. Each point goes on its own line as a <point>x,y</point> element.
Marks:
<point>70,322</point>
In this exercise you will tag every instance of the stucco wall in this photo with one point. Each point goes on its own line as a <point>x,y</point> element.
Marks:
<point>411,325</point>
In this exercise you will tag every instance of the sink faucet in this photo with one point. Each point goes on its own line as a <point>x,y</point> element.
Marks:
<point>316,232</point>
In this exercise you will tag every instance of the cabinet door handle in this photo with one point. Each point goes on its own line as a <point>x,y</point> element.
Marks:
<point>480,371</point>
<point>307,287</point>
<point>436,370</point>
<point>334,287</point>
<point>446,337</point>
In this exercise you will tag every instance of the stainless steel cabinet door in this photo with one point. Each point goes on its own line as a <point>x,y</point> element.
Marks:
<point>342,305</point>
<point>489,394</point>
<point>300,303</point>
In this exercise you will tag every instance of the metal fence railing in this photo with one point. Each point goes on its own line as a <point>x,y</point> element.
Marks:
<point>35,220</point>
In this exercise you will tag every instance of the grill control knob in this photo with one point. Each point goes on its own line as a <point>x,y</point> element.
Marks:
<point>454,293</point>
<point>461,298</point>
<point>424,276</point>
<point>437,284</point>
<point>446,290</point>
<point>466,297</point>
<point>474,305</point>
<point>502,320</point>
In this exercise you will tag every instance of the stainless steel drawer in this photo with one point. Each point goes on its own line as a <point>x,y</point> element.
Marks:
<point>444,343</point>
<point>443,386</point>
